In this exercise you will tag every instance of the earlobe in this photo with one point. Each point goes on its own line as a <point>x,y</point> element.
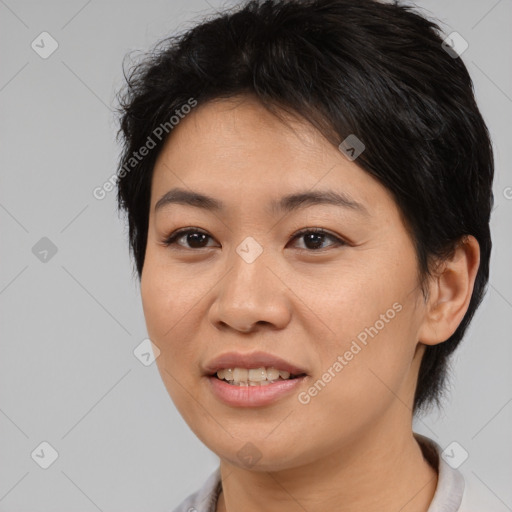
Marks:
<point>450,292</point>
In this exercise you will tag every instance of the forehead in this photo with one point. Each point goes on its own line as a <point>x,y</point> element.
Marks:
<point>235,130</point>
<point>235,149</point>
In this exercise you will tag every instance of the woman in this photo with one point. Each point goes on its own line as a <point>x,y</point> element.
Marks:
<point>308,187</point>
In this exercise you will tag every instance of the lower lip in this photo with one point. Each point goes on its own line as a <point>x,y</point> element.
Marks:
<point>253,396</point>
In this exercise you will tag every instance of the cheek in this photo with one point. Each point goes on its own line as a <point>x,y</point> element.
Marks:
<point>168,311</point>
<point>358,381</point>
<point>368,351</point>
<point>169,296</point>
<point>169,306</point>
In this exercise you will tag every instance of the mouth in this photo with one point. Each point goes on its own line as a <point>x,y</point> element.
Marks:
<point>262,376</point>
<point>253,393</point>
<point>254,379</point>
<point>251,369</point>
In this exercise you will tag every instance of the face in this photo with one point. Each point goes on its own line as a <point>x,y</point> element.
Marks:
<point>343,306</point>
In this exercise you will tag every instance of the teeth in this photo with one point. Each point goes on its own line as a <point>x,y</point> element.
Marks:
<point>253,376</point>
<point>272,374</point>
<point>257,375</point>
<point>240,374</point>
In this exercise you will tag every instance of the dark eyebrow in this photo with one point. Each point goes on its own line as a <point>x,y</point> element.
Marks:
<point>189,198</point>
<point>285,204</point>
<point>303,199</point>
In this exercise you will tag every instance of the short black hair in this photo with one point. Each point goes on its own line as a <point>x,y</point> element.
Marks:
<point>376,70</point>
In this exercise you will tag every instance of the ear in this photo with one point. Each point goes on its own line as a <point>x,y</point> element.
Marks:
<point>450,292</point>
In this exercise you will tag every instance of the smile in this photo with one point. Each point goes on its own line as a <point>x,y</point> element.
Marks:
<point>253,376</point>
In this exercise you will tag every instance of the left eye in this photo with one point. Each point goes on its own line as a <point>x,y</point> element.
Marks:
<point>196,238</point>
<point>315,237</point>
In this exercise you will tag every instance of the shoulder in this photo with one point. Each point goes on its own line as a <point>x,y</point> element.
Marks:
<point>204,499</point>
<point>456,491</point>
<point>479,498</point>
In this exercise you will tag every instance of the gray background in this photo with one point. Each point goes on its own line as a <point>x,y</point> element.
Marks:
<point>68,375</point>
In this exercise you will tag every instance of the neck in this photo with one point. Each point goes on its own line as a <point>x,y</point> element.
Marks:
<point>382,471</point>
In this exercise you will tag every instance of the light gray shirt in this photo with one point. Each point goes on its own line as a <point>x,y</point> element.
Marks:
<point>452,495</point>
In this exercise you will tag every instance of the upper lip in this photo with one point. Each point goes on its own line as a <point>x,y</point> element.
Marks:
<point>250,360</point>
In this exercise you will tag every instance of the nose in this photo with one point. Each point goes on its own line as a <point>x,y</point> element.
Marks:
<point>249,296</point>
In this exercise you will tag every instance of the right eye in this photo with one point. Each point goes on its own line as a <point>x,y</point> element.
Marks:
<point>194,236</point>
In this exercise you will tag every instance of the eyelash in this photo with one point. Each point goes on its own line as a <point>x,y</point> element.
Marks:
<point>173,237</point>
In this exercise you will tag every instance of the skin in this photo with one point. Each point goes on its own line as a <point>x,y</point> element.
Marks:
<point>352,446</point>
